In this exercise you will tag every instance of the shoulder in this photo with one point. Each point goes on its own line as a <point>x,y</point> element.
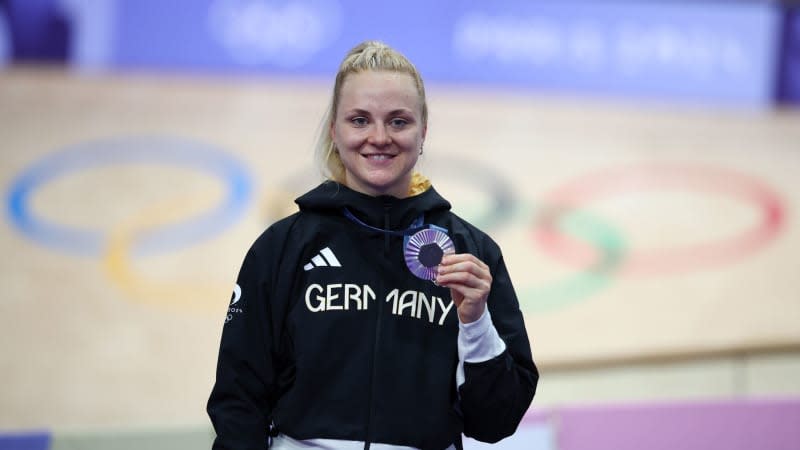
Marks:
<point>277,247</point>
<point>276,233</point>
<point>293,230</point>
<point>475,239</point>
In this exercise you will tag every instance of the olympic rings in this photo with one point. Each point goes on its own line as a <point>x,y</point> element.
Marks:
<point>578,192</point>
<point>562,228</point>
<point>163,150</point>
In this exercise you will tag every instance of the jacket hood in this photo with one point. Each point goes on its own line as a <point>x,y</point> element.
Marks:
<point>332,197</point>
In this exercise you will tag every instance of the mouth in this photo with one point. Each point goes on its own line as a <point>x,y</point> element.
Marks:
<point>379,157</point>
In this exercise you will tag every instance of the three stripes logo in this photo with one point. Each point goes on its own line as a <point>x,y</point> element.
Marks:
<point>325,258</point>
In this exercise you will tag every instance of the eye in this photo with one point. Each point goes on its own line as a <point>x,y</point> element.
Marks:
<point>359,121</point>
<point>398,123</point>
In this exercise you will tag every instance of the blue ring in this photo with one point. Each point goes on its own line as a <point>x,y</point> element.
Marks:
<point>165,150</point>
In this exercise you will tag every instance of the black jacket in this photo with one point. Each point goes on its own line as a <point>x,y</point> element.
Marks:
<point>348,344</point>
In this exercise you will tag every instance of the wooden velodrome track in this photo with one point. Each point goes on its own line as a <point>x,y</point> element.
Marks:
<point>632,231</point>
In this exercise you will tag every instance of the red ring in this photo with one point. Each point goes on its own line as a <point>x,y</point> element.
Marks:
<point>581,191</point>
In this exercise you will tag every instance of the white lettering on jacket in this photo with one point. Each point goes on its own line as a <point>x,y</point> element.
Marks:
<point>415,303</point>
<point>338,297</point>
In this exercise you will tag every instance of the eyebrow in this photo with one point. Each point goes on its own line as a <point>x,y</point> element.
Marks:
<point>391,113</point>
<point>400,111</point>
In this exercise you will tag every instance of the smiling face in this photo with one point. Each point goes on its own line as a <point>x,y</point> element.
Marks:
<point>378,130</point>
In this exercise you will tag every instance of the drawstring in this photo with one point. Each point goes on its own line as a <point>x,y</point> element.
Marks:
<point>416,225</point>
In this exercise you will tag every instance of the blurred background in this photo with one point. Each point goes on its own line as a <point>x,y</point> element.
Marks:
<point>637,161</point>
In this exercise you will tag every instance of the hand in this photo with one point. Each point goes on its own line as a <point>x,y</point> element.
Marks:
<point>469,281</point>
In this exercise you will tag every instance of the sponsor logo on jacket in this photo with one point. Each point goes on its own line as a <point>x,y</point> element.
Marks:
<point>233,308</point>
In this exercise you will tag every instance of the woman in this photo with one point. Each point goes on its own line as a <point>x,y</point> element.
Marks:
<point>331,341</point>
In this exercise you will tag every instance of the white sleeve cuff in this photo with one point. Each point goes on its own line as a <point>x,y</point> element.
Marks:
<point>477,342</point>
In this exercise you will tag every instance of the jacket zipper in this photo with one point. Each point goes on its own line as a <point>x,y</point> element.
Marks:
<point>375,346</point>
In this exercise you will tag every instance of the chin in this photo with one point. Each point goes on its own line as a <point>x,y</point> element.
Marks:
<point>387,189</point>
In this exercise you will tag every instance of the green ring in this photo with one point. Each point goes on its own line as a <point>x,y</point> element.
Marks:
<point>561,293</point>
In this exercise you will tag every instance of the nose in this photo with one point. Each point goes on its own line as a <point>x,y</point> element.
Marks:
<point>379,136</point>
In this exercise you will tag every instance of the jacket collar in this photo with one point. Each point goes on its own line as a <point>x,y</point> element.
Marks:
<point>331,197</point>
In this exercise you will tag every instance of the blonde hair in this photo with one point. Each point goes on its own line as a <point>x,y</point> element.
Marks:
<point>368,55</point>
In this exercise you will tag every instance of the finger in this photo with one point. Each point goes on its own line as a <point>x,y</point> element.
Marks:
<point>467,292</point>
<point>464,278</point>
<point>462,257</point>
<point>477,279</point>
<point>465,263</point>
<point>467,272</point>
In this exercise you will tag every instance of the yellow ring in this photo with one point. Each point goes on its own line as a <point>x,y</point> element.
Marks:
<point>188,295</point>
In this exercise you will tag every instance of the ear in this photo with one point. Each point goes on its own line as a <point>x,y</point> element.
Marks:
<point>424,132</point>
<point>332,131</point>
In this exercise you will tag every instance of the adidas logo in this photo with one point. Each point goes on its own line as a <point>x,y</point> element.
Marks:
<point>323,259</point>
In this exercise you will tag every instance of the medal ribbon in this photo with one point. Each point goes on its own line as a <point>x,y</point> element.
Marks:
<point>415,238</point>
<point>416,225</point>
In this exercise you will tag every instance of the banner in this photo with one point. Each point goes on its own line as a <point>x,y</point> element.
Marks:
<point>718,52</point>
